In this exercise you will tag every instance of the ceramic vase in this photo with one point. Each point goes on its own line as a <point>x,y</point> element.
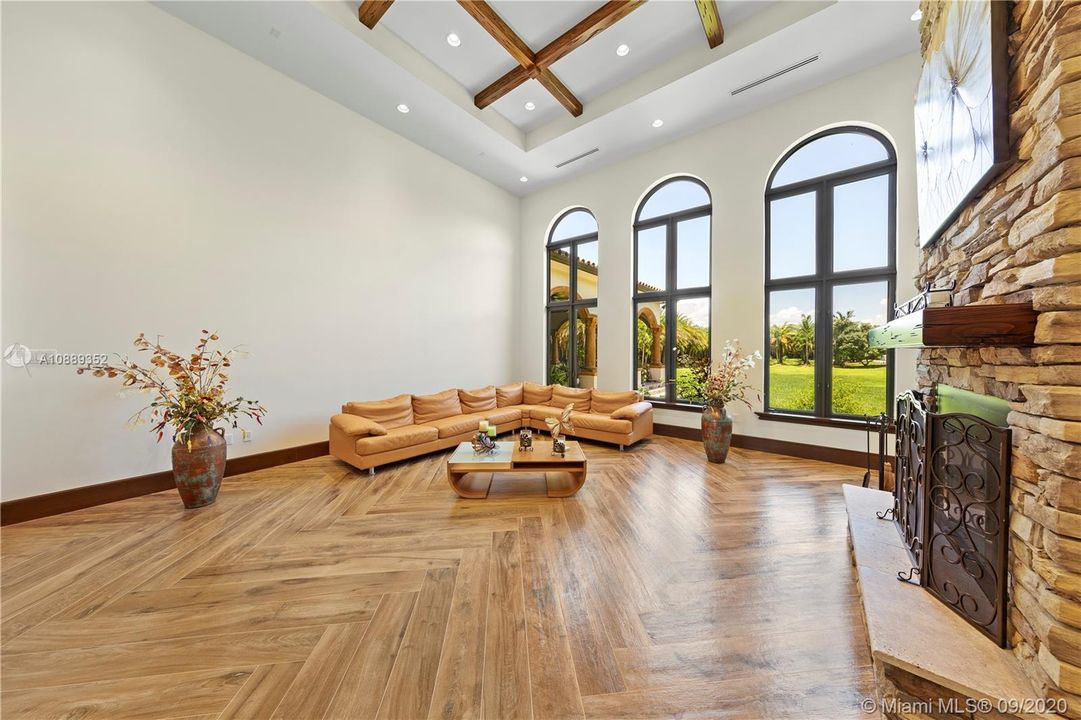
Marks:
<point>716,433</point>
<point>198,467</point>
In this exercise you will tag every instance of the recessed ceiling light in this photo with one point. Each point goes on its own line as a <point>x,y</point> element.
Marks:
<point>403,108</point>
<point>530,106</point>
<point>453,40</point>
<point>523,179</point>
<point>623,49</point>
<point>916,15</point>
<point>658,122</point>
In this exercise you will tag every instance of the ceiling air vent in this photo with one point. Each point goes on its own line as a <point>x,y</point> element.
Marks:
<point>777,74</point>
<point>576,158</point>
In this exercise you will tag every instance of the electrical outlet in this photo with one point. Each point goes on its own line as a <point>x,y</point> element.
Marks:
<point>245,435</point>
<point>229,438</point>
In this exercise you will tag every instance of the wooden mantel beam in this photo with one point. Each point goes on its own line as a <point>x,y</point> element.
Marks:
<point>371,11</point>
<point>603,18</point>
<point>711,21</point>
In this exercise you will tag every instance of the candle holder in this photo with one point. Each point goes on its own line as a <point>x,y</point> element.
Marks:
<point>483,445</point>
<point>559,446</point>
<point>525,440</point>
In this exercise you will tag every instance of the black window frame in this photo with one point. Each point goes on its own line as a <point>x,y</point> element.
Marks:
<point>670,296</point>
<point>573,304</point>
<point>825,278</point>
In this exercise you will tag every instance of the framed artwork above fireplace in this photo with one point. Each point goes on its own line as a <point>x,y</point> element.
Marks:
<point>962,119</point>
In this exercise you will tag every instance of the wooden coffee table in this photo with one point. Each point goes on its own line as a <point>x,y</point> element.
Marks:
<point>507,458</point>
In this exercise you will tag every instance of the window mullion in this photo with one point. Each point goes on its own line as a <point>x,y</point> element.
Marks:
<point>572,329</point>
<point>824,260</point>
<point>670,311</point>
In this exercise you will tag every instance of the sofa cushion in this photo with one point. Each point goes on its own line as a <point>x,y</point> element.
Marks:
<point>390,413</point>
<point>397,438</point>
<point>502,416</point>
<point>356,426</point>
<point>606,403</point>
<point>603,423</point>
<point>457,424</point>
<point>630,412</point>
<point>526,410</point>
<point>533,394</point>
<point>540,412</point>
<point>563,396</point>
<point>434,407</point>
<point>477,400</point>
<point>507,395</point>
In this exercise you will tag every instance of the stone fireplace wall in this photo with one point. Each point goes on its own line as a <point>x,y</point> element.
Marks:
<point>1018,241</point>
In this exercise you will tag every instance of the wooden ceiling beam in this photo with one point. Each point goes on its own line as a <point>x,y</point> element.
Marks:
<point>537,65</point>
<point>527,68</point>
<point>502,86</point>
<point>489,19</point>
<point>371,11</point>
<point>711,21</point>
<point>560,91</point>
<point>603,18</point>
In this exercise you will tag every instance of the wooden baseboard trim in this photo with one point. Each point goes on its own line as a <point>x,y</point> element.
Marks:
<point>62,501</point>
<point>854,458</point>
<point>677,431</point>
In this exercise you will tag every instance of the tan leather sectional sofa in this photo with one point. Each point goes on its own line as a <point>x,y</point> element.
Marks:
<point>367,434</point>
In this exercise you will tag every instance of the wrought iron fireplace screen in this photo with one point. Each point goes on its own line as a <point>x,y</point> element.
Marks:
<point>951,504</point>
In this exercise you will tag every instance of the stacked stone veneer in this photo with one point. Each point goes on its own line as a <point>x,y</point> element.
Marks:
<point>1018,241</point>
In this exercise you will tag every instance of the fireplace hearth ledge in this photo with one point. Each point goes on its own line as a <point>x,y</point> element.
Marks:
<point>911,630</point>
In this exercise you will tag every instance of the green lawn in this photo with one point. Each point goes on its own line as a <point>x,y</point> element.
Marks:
<point>857,390</point>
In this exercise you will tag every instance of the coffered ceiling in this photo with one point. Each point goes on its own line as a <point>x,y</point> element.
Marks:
<point>669,73</point>
<point>652,32</point>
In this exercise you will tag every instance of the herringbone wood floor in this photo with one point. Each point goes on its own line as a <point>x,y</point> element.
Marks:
<point>668,586</point>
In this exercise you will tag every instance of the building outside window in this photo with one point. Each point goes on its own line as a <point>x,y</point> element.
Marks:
<point>672,231</point>
<point>573,268</point>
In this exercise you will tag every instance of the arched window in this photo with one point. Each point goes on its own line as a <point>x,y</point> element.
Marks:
<point>572,300</point>
<point>671,290</point>
<point>830,274</point>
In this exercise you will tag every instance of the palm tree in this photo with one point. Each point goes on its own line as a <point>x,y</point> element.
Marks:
<point>692,340</point>
<point>805,337</point>
<point>781,338</point>
<point>842,324</point>
<point>841,320</point>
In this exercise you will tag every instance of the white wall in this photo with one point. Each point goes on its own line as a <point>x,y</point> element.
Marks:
<point>734,159</point>
<point>157,180</point>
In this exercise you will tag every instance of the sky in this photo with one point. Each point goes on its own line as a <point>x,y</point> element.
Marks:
<point>574,224</point>
<point>867,301</point>
<point>830,153</point>
<point>860,232</point>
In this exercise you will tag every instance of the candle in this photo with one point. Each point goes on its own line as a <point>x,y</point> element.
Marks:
<point>491,431</point>
<point>483,426</point>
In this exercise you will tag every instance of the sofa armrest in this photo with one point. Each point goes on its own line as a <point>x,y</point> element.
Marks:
<point>630,412</point>
<point>356,426</point>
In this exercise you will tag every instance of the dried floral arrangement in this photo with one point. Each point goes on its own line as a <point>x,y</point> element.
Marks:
<point>556,427</point>
<point>726,381</point>
<point>190,395</point>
